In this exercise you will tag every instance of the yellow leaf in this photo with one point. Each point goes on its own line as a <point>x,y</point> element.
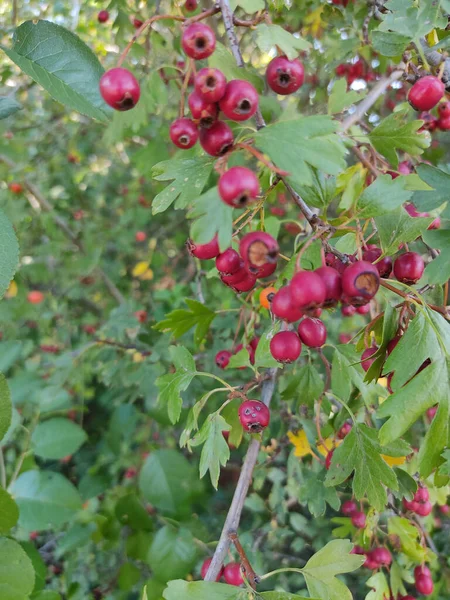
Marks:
<point>300,442</point>
<point>147,276</point>
<point>11,292</point>
<point>140,269</point>
<point>313,22</point>
<point>330,443</point>
<point>392,461</point>
<point>432,38</point>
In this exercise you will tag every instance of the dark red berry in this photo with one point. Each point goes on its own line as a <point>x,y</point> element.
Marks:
<point>370,563</point>
<point>443,123</point>
<point>333,284</point>
<point>430,123</point>
<point>257,249</point>
<point>205,567</point>
<point>216,140</point>
<point>246,284</point>
<point>184,133</point>
<point>141,316</point>
<point>210,84</point>
<point>312,332</point>
<point>198,41</point>
<point>232,574</point>
<point>285,76</point>
<point>348,310</point>
<point>228,262</point>
<point>190,6</point>
<point>137,23</point>
<point>359,519</point>
<point>240,100</point>
<point>103,16</point>
<point>348,508</point>
<point>360,282</point>
<point>444,110</point>
<point>373,253</point>
<point>120,89</point>
<point>283,307</point>
<point>410,505</point>
<point>204,251</point>
<point>392,344</point>
<point>238,186</point>
<point>409,267</point>
<point>424,585</point>
<point>308,290</point>
<point>201,111</point>
<point>333,261</point>
<point>266,270</point>
<point>254,416</point>
<point>223,358</point>
<point>364,309</point>
<point>344,431</point>
<point>426,93</point>
<point>285,347</point>
<point>236,277</point>
<point>366,358</point>
<point>382,556</point>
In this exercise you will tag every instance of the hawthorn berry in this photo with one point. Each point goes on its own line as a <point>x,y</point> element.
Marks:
<point>16,188</point>
<point>202,111</point>
<point>426,93</point>
<point>422,571</point>
<point>344,431</point>
<point>236,277</point>
<point>184,133</point>
<point>308,290</point>
<point>333,284</point>
<point>384,266</point>
<point>238,186</point>
<point>210,84</point>
<point>222,358</point>
<point>366,358</point>
<point>240,100</point>
<point>190,5</point>
<point>364,309</point>
<point>140,236</point>
<point>443,123</point>
<point>120,89</point>
<point>348,508</point>
<point>266,270</point>
<point>35,297</point>
<point>216,140</point>
<point>312,332</point>
<point>348,310</point>
<point>430,122</point>
<point>141,316</point>
<point>198,41</point>
<point>285,76</point>
<point>283,306</point>
<point>444,509</point>
<point>360,282</point>
<point>254,416</point>
<point>285,347</point>
<point>205,567</point>
<point>409,267</point>
<point>370,563</point>
<point>103,16</point>
<point>204,251</point>
<point>246,284</point>
<point>257,249</point>
<point>424,585</point>
<point>422,495</point>
<point>381,555</point>
<point>228,262</point>
<point>232,574</point>
<point>137,23</point>
<point>424,508</point>
<point>359,519</point>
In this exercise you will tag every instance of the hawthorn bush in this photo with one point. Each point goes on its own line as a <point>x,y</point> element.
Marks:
<point>225,255</point>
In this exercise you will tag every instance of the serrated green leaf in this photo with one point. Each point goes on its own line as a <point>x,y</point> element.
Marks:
<point>360,453</point>
<point>380,587</point>
<point>9,106</point>
<point>215,451</point>
<point>313,492</point>
<point>439,181</point>
<point>263,356</point>
<point>412,19</point>
<point>397,227</point>
<point>438,270</point>
<point>394,134</point>
<point>409,536</point>
<point>188,177</point>
<point>382,196</point>
<point>436,438</point>
<point>407,485</point>
<point>270,36</point>
<point>322,191</point>
<point>172,384</point>
<point>57,438</point>
<point>239,360</point>
<point>340,99</point>
<point>223,59</point>
<point>389,43</point>
<point>212,217</point>
<point>9,254</point>
<point>305,387</point>
<point>181,320</point>
<point>62,64</point>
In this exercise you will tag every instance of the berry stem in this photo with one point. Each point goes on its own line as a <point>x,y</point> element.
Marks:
<point>185,86</point>
<point>250,574</point>
<point>443,310</point>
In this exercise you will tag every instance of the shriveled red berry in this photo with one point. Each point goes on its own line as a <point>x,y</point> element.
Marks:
<point>283,306</point>
<point>333,284</point>
<point>232,574</point>
<point>254,416</point>
<point>308,290</point>
<point>238,186</point>
<point>216,140</point>
<point>228,262</point>
<point>198,41</point>
<point>120,89</point>
<point>424,585</point>
<point>366,358</point>
<point>204,251</point>
<point>103,16</point>
<point>141,316</point>
<point>137,23</point>
<point>202,111</point>
<point>205,567</point>
<point>285,347</point>
<point>409,267</point>
<point>312,332</point>
<point>348,508</point>
<point>210,84</point>
<point>430,122</point>
<point>426,93</point>
<point>240,100</point>
<point>360,282</point>
<point>373,253</point>
<point>344,431</point>
<point>257,249</point>
<point>190,6</point>
<point>382,556</point>
<point>285,76</point>
<point>184,133</point>
<point>222,358</point>
<point>359,519</point>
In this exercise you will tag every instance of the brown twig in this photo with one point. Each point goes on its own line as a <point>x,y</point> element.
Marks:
<point>250,574</point>
<point>440,309</point>
<point>364,161</point>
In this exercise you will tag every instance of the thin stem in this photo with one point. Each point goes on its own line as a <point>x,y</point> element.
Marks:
<point>277,571</point>
<point>439,309</point>
<point>211,376</point>
<point>2,469</point>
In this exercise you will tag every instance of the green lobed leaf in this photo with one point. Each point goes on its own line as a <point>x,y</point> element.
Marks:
<point>439,181</point>
<point>172,384</point>
<point>438,270</point>
<point>321,192</point>
<point>215,451</point>
<point>9,512</point>
<point>341,99</point>
<point>436,438</point>
<point>389,43</point>
<point>16,571</point>
<point>380,587</point>
<point>411,18</point>
<point>397,227</point>
<point>212,216</point>
<point>130,511</point>
<point>173,553</point>
<point>305,387</point>
<point>315,494</point>
<point>57,438</point>
<point>9,106</point>
<point>180,321</point>
<point>409,537</point>
<point>9,254</point>
<point>269,36</point>
<point>382,196</point>
<point>223,59</point>
<point>62,64</point>
<point>188,177</point>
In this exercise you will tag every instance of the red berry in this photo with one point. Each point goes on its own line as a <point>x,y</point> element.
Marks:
<point>429,122</point>
<point>246,284</point>
<point>285,76</point>
<point>16,188</point>
<point>382,556</point>
<point>392,344</point>
<point>357,550</point>
<point>410,505</point>
<point>312,332</point>
<point>205,567</point>
<point>431,413</point>
<point>184,133</point>
<point>348,508</point>
<point>328,459</point>
<point>140,236</point>
<point>426,93</point>
<point>228,262</point>
<point>103,16</point>
<point>202,111</point>
<point>198,41</point>
<point>384,266</point>
<point>285,346</point>
<point>359,519</point>
<point>240,100</point>
<point>141,316</point>
<point>190,6</point>
<point>366,358</point>
<point>137,23</point>
<point>422,571</point>
<point>266,270</point>
<point>232,574</point>
<point>308,290</point>
<point>360,282</point>
<point>254,416</point>
<point>216,140</point>
<point>204,251</point>
<point>238,186</point>
<point>333,284</point>
<point>223,358</point>
<point>283,307</point>
<point>364,309</point>
<point>257,249</point>
<point>444,110</point>
<point>409,267</point>
<point>35,297</point>
<point>424,508</point>
<point>424,585</point>
<point>210,84</point>
<point>236,277</point>
<point>422,495</point>
<point>333,261</point>
<point>443,123</point>
<point>344,431</point>
<point>444,509</point>
<point>370,563</point>
<point>120,89</point>
<point>348,310</point>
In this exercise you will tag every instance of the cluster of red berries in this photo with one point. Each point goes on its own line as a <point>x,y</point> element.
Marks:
<point>442,121</point>
<point>349,508</point>
<point>230,572</point>
<point>420,504</point>
<point>354,71</point>
<point>256,259</point>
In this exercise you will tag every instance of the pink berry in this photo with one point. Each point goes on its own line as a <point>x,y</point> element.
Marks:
<point>202,111</point>
<point>348,310</point>
<point>328,459</point>
<point>364,309</point>
<point>426,93</point>
<point>285,347</point>
<point>359,519</point>
<point>312,332</point>
<point>344,431</point>
<point>424,509</point>
<point>240,100</point>
<point>424,585</point>
<point>384,266</point>
<point>103,16</point>
<point>205,567</point>
<point>422,495</point>
<point>382,556</point>
<point>333,284</point>
<point>348,508</point>
<point>120,89</point>
<point>217,140</point>
<point>238,186</point>
<point>210,84</point>
<point>254,416</point>
<point>198,41</point>
<point>246,284</point>
<point>204,251</point>
<point>285,76</point>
